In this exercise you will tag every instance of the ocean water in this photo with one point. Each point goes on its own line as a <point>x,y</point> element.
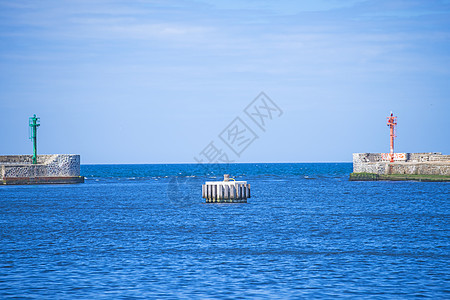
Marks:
<point>143,231</point>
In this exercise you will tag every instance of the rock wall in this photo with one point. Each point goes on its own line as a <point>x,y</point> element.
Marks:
<point>415,163</point>
<point>420,168</point>
<point>55,165</point>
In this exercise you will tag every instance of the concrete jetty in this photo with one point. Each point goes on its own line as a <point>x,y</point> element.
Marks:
<point>48,169</point>
<point>39,169</point>
<point>431,166</point>
<point>226,191</point>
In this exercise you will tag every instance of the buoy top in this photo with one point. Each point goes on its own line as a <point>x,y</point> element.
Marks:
<point>226,181</point>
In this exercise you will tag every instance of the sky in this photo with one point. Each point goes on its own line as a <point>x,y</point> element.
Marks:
<point>171,81</point>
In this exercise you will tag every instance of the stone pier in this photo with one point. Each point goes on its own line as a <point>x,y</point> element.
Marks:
<point>50,169</point>
<point>433,166</point>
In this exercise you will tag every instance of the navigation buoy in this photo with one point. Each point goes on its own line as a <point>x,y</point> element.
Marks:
<point>226,191</point>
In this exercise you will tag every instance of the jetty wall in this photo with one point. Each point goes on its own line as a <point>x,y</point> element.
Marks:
<point>433,163</point>
<point>53,168</point>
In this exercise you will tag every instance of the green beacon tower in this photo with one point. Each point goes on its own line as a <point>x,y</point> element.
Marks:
<point>34,124</point>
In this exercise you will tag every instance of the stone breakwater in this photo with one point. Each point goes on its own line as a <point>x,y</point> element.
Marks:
<point>54,168</point>
<point>432,163</point>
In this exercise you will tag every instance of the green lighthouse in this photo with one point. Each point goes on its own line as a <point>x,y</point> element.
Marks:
<point>34,124</point>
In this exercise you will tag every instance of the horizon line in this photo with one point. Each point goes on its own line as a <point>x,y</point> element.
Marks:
<point>192,163</point>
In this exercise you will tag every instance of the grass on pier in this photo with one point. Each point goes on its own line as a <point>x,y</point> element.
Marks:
<point>415,177</point>
<point>398,177</point>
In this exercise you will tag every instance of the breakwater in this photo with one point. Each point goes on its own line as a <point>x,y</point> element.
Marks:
<point>420,166</point>
<point>49,169</point>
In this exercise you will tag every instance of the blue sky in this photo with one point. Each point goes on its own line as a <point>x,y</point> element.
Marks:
<point>157,81</point>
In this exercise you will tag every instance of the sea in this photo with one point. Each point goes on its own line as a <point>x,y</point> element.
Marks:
<point>144,232</point>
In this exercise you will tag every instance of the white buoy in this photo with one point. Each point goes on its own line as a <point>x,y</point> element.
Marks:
<point>226,191</point>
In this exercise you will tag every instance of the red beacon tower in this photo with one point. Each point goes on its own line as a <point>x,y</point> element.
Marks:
<point>392,122</point>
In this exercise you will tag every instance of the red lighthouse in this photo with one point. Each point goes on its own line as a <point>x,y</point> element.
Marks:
<point>392,122</point>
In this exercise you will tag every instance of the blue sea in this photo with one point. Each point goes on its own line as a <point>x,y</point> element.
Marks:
<point>143,231</point>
